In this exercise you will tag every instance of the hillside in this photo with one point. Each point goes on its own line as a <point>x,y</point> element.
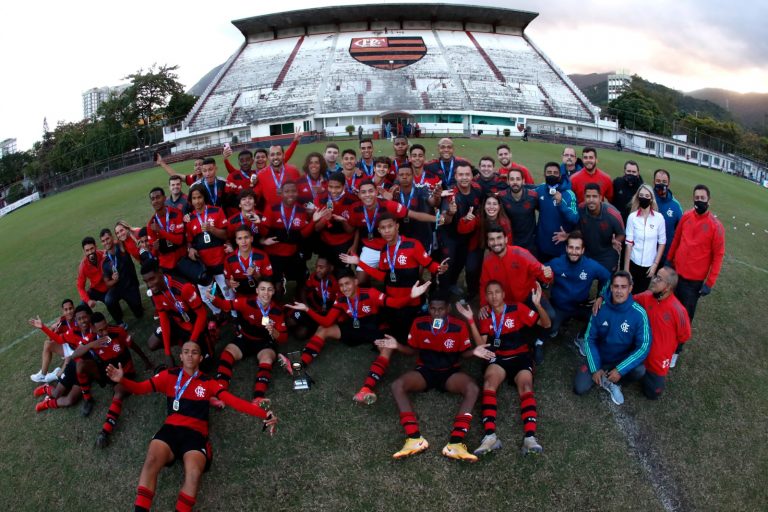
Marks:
<point>750,109</point>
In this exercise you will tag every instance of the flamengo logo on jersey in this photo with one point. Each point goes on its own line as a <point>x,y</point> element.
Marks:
<point>583,276</point>
<point>670,213</point>
<point>449,343</point>
<point>509,323</point>
<point>200,392</point>
<point>624,326</point>
<point>366,309</point>
<point>402,259</point>
<point>387,52</point>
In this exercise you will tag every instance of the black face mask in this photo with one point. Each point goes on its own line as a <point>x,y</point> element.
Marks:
<point>644,202</point>
<point>657,295</point>
<point>552,180</point>
<point>701,207</point>
<point>632,180</point>
<point>661,188</point>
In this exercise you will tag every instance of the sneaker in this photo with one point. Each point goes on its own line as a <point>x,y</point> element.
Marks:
<point>87,408</point>
<point>672,362</point>
<point>365,396</point>
<point>489,443</point>
<point>285,363</point>
<point>215,402</point>
<point>613,389</point>
<point>262,402</point>
<point>579,343</point>
<point>412,446</point>
<point>531,445</point>
<point>102,440</point>
<point>538,352</point>
<point>43,389</point>
<point>43,405</point>
<point>38,377</point>
<point>458,451</point>
<point>52,376</point>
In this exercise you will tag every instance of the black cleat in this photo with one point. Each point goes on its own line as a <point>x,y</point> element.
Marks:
<point>102,440</point>
<point>87,408</point>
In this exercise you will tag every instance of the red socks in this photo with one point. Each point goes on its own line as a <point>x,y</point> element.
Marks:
<point>224,373</point>
<point>460,427</point>
<point>410,425</point>
<point>376,372</point>
<point>185,502</point>
<point>85,386</point>
<point>489,411</point>
<point>263,378</point>
<point>312,350</point>
<point>528,413</point>
<point>112,415</point>
<point>144,499</point>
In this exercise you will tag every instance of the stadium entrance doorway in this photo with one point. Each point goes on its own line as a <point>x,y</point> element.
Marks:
<point>394,123</point>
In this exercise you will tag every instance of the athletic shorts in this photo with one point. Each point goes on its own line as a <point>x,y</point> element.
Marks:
<point>369,257</point>
<point>514,365</point>
<point>436,379</point>
<point>251,347</point>
<point>182,440</point>
<point>68,377</point>
<point>366,333</point>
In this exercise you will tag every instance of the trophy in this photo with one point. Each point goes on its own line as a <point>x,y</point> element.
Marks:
<point>301,379</point>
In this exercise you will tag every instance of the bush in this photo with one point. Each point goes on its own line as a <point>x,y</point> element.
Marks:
<point>16,192</point>
<point>507,131</point>
<point>350,129</point>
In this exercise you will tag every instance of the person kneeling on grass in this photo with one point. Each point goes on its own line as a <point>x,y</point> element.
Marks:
<point>262,328</point>
<point>617,342</point>
<point>440,340</point>
<point>500,342</point>
<point>354,320</point>
<point>184,435</point>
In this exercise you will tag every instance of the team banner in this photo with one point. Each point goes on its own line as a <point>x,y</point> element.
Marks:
<point>387,52</point>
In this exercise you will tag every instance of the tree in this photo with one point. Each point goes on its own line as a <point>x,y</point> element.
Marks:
<point>179,106</point>
<point>636,111</point>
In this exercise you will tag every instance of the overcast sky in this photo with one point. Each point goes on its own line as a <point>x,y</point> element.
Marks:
<point>53,51</point>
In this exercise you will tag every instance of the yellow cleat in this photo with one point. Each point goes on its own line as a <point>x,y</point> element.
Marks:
<point>458,451</point>
<point>412,446</point>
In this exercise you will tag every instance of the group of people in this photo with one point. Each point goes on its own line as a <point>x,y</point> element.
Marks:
<point>438,259</point>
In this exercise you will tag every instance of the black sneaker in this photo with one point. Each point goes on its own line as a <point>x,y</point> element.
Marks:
<point>538,353</point>
<point>87,408</point>
<point>102,440</point>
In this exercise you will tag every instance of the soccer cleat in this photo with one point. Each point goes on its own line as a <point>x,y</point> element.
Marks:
<point>412,446</point>
<point>285,363</point>
<point>43,405</point>
<point>38,377</point>
<point>102,440</point>
<point>52,376</point>
<point>262,402</point>
<point>365,396</point>
<point>458,451</point>
<point>489,443</point>
<point>87,408</point>
<point>215,402</point>
<point>43,389</point>
<point>538,352</point>
<point>613,389</point>
<point>579,343</point>
<point>673,361</point>
<point>531,445</point>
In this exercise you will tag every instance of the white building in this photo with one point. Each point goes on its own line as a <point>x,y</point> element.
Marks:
<point>92,98</point>
<point>617,84</point>
<point>7,147</point>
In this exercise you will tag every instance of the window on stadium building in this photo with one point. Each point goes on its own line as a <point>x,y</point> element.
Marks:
<point>705,157</point>
<point>280,129</point>
<point>669,148</point>
<point>440,118</point>
<point>717,160</point>
<point>650,144</point>
<point>500,121</point>
<point>680,151</point>
<point>244,135</point>
<point>307,126</point>
<point>733,165</point>
<point>694,154</point>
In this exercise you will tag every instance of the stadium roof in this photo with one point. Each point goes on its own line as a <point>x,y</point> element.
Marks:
<point>384,12</point>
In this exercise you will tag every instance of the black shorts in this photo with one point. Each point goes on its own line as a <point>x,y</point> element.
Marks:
<point>514,365</point>
<point>366,333</point>
<point>436,379</point>
<point>68,377</point>
<point>182,440</point>
<point>251,347</point>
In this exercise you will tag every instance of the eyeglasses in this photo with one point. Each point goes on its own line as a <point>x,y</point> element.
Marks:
<point>657,277</point>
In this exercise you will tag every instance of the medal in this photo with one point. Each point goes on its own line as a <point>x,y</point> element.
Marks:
<point>496,343</point>
<point>251,282</point>
<point>176,405</point>
<point>393,276</point>
<point>264,314</point>
<point>206,238</point>
<point>356,323</point>
<point>353,311</point>
<point>370,236</point>
<point>179,389</point>
<point>329,204</point>
<point>265,321</point>
<point>498,328</point>
<point>407,220</point>
<point>185,316</point>
<point>278,184</point>
<point>202,221</point>
<point>370,223</point>
<point>392,261</point>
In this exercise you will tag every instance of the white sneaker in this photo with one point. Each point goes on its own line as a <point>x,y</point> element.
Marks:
<point>613,389</point>
<point>673,361</point>
<point>531,445</point>
<point>489,443</point>
<point>579,342</point>
<point>38,377</point>
<point>52,376</point>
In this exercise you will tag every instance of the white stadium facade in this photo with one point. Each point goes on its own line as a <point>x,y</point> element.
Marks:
<point>451,68</point>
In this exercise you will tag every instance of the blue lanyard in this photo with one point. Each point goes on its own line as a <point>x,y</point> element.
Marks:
<point>351,309</point>
<point>264,312</point>
<point>498,328</point>
<point>177,303</point>
<point>250,261</point>
<point>204,219</point>
<point>410,197</point>
<point>365,168</point>
<point>393,260</point>
<point>324,291</point>
<point>443,329</point>
<point>368,222</point>
<point>450,172</point>
<point>278,184</point>
<point>179,389</point>
<point>287,224</point>
<point>336,199</point>
<point>311,188</point>
<point>111,261</point>
<point>420,182</point>
<point>215,196</point>
<point>397,165</point>
<point>245,175</point>
<point>167,220</point>
<point>351,186</point>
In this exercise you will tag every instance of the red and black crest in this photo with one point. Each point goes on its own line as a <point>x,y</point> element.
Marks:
<point>387,52</point>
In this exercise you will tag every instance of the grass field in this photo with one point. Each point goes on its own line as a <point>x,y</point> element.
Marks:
<point>703,446</point>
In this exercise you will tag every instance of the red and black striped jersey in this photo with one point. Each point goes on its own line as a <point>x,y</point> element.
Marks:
<point>194,403</point>
<point>236,267</point>
<point>117,350</point>
<point>407,261</point>
<point>312,191</point>
<point>177,298</point>
<point>236,221</point>
<point>439,349</point>
<point>333,234</point>
<point>212,252</point>
<point>171,237</point>
<point>250,312</point>
<point>511,342</point>
<point>290,225</point>
<point>369,235</point>
<point>321,293</point>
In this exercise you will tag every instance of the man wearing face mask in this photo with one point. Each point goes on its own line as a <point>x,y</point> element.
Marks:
<point>697,251</point>
<point>625,187</point>
<point>669,207</point>
<point>557,212</point>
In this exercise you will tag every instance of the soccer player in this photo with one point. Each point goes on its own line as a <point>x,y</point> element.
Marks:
<point>418,199</point>
<point>262,329</point>
<point>65,324</point>
<point>184,435</point>
<point>189,179</point>
<point>313,187</point>
<point>520,204</point>
<point>270,180</point>
<point>624,189</point>
<point>180,310</point>
<point>440,340</point>
<point>488,178</point>
<point>381,177</point>
<point>557,212</point>
<point>245,176</point>
<point>366,162</point>
<point>447,164</point>
<point>245,266</point>
<point>591,174</point>
<point>319,293</point>
<point>337,235</point>
<point>109,347</point>
<point>119,275</point>
<point>354,320</point>
<point>331,156</point>
<point>421,177</point>
<point>178,198</point>
<point>248,217</point>
<point>669,207</point>
<point>697,252</point>
<point>670,328</point>
<point>504,154</point>
<point>645,238</point>
<point>165,232</point>
<point>499,342</point>
<point>617,342</point>
<point>353,175</point>
<point>400,157</point>
<point>602,227</point>
<point>90,270</point>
